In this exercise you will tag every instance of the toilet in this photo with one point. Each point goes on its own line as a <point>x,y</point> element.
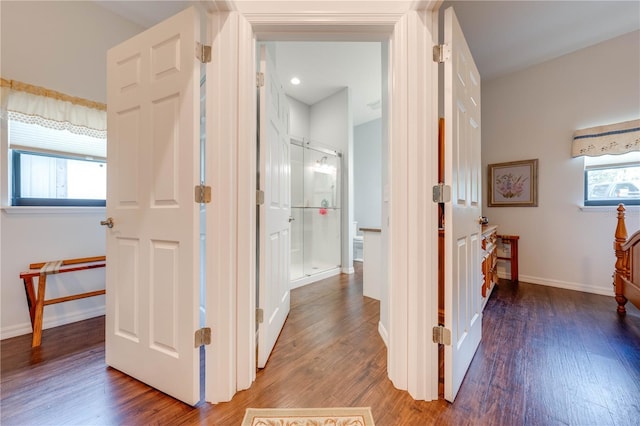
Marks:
<point>358,242</point>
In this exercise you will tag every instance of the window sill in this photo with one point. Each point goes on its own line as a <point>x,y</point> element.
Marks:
<point>45,210</point>
<point>609,209</point>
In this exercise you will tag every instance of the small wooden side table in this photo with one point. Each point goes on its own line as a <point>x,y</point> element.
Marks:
<point>512,240</point>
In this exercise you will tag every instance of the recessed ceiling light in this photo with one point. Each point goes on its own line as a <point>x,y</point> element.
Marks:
<point>295,81</point>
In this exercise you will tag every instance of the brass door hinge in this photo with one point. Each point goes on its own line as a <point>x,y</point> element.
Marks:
<point>441,193</point>
<point>202,337</point>
<point>202,194</point>
<point>203,52</point>
<point>441,335</point>
<point>441,53</point>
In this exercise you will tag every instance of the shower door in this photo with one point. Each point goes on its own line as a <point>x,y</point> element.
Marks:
<point>315,210</point>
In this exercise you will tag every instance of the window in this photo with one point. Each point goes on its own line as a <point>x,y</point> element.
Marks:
<point>55,167</point>
<point>57,147</point>
<point>612,179</point>
<point>51,180</point>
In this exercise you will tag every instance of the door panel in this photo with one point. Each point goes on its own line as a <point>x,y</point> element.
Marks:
<point>274,236</point>
<point>463,297</point>
<point>153,268</point>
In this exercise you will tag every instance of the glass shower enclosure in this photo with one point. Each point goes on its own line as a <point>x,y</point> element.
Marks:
<point>315,211</point>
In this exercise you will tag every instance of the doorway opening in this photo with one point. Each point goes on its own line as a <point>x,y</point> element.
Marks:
<point>230,243</point>
<point>335,122</point>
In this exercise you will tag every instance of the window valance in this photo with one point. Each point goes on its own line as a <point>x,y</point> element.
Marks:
<point>619,138</point>
<point>36,105</point>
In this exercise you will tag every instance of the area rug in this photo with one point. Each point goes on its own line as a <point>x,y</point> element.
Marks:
<point>344,416</point>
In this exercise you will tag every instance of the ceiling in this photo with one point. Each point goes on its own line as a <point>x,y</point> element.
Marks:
<point>504,37</point>
<point>508,36</point>
<point>325,68</point>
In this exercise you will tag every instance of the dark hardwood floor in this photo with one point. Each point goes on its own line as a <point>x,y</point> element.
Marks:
<point>548,357</point>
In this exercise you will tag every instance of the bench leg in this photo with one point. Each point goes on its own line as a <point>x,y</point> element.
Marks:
<point>39,310</point>
<point>31,298</point>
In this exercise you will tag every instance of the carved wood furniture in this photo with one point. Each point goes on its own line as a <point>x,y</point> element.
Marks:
<point>489,258</point>
<point>626,278</point>
<point>512,240</point>
<point>37,302</point>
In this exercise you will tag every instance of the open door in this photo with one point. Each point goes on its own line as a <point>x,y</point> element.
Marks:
<point>463,275</point>
<point>273,230</point>
<point>152,272</point>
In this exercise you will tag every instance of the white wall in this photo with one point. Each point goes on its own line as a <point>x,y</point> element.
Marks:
<point>66,53</point>
<point>329,121</point>
<point>298,119</point>
<point>367,174</point>
<point>533,114</point>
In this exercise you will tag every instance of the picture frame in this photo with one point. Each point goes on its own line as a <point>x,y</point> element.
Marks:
<point>513,184</point>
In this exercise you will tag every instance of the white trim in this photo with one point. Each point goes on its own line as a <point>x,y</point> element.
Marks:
<point>567,285</point>
<point>397,349</point>
<point>247,150</point>
<point>348,270</point>
<point>421,236</point>
<point>345,21</point>
<point>634,210</point>
<point>383,333</point>
<point>47,210</point>
<point>222,217</point>
<point>300,282</point>
<point>25,327</point>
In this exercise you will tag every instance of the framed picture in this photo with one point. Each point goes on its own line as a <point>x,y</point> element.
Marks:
<point>513,184</point>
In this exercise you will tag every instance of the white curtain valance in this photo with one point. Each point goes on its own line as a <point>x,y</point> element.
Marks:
<point>47,108</point>
<point>619,138</point>
<point>60,125</point>
<point>55,140</point>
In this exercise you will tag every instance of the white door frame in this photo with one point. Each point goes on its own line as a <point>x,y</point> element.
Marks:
<point>412,360</point>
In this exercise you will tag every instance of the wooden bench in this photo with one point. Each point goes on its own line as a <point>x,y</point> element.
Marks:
<point>36,300</point>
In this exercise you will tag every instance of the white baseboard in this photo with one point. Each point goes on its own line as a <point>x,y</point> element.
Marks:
<point>25,328</point>
<point>562,284</point>
<point>383,333</point>
<point>313,278</point>
<point>350,270</point>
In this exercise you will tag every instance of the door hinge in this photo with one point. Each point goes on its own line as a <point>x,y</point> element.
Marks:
<point>441,335</point>
<point>441,193</point>
<point>202,337</point>
<point>441,53</point>
<point>259,79</point>
<point>259,316</point>
<point>259,197</point>
<point>203,52</point>
<point>202,194</point>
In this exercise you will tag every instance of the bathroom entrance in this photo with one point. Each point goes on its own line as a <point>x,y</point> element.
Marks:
<point>315,212</point>
<point>313,102</point>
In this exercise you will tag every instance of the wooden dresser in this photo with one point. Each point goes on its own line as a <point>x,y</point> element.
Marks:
<point>489,259</point>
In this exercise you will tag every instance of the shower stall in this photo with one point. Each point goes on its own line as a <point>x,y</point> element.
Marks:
<point>315,213</point>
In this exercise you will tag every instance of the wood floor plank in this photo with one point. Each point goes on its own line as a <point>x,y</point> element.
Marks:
<point>548,356</point>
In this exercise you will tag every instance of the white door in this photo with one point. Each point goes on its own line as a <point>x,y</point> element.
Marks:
<point>273,228</point>
<point>153,248</point>
<point>463,279</point>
